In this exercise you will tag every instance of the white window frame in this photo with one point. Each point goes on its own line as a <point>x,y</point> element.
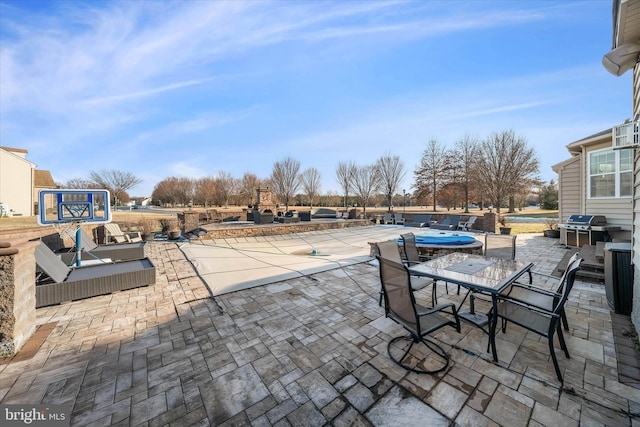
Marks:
<point>616,173</point>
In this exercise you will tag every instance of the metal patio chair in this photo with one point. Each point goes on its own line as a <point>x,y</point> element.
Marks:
<point>536,319</point>
<point>417,320</point>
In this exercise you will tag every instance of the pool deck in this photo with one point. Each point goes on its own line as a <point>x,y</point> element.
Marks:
<point>311,350</point>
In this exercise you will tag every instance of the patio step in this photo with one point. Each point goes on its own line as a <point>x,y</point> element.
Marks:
<point>592,267</point>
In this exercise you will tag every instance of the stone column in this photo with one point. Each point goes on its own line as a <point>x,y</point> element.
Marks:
<point>191,220</point>
<point>17,295</point>
<point>489,222</point>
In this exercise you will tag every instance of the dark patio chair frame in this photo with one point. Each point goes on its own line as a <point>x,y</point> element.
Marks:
<point>391,251</point>
<point>413,257</point>
<point>535,319</point>
<point>418,321</point>
<point>544,300</point>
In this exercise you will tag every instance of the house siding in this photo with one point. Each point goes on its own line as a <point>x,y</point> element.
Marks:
<point>16,181</point>
<point>569,178</point>
<point>635,310</point>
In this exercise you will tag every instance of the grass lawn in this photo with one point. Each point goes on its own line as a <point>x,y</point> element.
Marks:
<point>18,222</point>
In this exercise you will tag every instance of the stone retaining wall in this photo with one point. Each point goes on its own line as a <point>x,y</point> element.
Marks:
<point>17,295</point>
<point>250,230</point>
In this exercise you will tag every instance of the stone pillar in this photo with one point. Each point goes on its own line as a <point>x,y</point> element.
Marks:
<point>489,222</point>
<point>17,295</point>
<point>191,220</point>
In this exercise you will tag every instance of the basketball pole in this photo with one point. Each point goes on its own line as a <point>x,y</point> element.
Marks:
<point>78,246</point>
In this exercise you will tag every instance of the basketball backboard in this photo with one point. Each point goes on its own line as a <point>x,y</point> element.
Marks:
<point>71,205</point>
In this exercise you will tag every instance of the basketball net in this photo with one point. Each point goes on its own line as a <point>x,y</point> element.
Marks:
<point>67,229</point>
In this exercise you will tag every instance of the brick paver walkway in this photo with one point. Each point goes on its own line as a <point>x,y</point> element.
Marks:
<point>308,351</point>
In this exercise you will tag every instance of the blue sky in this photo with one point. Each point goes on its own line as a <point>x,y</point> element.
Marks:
<point>192,88</point>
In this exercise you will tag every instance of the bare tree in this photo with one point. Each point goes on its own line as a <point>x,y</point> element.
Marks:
<point>186,189</point>
<point>205,191</point>
<point>78,183</point>
<point>504,165</point>
<point>432,170</point>
<point>310,180</point>
<point>345,172</point>
<point>366,182</point>
<point>462,161</point>
<point>117,182</point>
<point>285,179</point>
<point>248,185</point>
<point>392,171</point>
<point>225,186</point>
<point>174,191</point>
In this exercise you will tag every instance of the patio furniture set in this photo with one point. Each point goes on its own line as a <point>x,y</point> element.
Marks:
<point>496,278</point>
<point>89,269</point>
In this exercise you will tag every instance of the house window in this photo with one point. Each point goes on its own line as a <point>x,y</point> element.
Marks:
<point>610,173</point>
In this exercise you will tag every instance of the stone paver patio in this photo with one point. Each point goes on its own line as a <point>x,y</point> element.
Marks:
<point>309,351</point>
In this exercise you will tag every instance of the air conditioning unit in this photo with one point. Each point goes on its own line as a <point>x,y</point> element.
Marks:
<point>626,136</point>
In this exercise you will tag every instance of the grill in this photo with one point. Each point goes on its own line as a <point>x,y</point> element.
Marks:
<point>582,230</point>
<point>586,222</point>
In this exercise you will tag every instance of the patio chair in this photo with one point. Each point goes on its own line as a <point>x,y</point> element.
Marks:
<point>114,233</point>
<point>419,221</point>
<point>500,245</point>
<point>418,321</point>
<point>496,246</point>
<point>450,223</point>
<point>468,224</point>
<point>535,319</point>
<point>57,282</point>
<point>530,294</point>
<point>398,219</point>
<point>391,251</point>
<point>414,257</point>
<point>387,219</point>
<point>91,250</point>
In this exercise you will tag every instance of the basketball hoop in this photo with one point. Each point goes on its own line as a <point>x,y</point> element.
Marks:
<point>66,210</point>
<point>67,229</point>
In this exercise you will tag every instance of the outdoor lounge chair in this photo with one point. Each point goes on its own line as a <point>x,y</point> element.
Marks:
<point>419,221</point>
<point>535,319</point>
<point>450,223</point>
<point>387,219</point>
<point>468,224</point>
<point>90,250</point>
<point>113,233</point>
<point>418,321</point>
<point>391,251</point>
<point>58,282</point>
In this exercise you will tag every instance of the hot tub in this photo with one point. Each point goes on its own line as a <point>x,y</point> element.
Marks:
<point>433,245</point>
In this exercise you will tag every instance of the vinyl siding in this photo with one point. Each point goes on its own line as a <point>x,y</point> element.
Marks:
<point>635,313</point>
<point>16,180</point>
<point>569,178</point>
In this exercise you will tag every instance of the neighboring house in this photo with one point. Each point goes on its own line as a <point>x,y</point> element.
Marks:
<point>597,180</point>
<point>16,182</point>
<point>622,58</point>
<point>42,180</point>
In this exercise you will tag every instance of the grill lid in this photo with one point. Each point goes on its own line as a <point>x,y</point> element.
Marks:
<point>587,219</point>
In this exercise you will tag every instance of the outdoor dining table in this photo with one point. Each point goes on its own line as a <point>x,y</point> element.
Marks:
<point>476,273</point>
